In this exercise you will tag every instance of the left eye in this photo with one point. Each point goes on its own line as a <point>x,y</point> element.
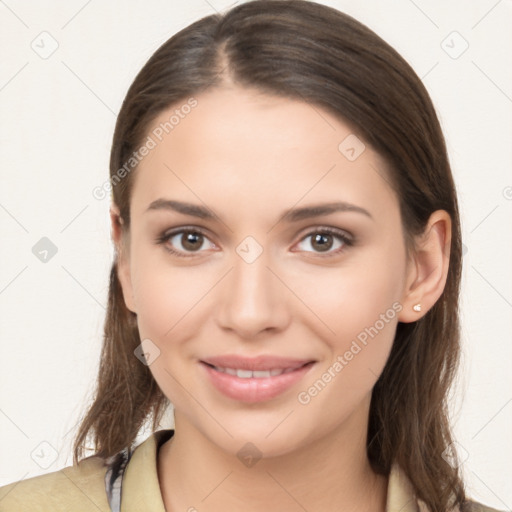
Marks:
<point>322,241</point>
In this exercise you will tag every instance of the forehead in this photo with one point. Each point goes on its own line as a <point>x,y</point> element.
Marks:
<point>237,143</point>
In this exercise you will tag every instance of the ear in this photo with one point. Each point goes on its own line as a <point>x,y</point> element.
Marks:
<point>120,237</point>
<point>428,267</point>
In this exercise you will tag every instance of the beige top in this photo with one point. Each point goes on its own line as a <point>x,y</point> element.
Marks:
<point>82,488</point>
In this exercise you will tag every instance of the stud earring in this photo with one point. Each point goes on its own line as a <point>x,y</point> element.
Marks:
<point>417,307</point>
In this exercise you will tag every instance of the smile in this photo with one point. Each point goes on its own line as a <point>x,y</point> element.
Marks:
<point>257,374</point>
<point>255,385</point>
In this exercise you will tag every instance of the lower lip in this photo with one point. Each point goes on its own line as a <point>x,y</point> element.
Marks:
<point>253,389</point>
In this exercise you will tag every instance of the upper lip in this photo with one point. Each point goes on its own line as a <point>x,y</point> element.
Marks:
<point>263,362</point>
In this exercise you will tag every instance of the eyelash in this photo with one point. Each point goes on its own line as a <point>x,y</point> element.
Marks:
<point>346,240</point>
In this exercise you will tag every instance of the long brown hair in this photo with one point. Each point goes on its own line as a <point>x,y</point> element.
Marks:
<point>310,52</point>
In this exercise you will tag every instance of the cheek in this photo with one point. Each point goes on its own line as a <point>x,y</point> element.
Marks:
<point>166,295</point>
<point>348,300</point>
<point>358,307</point>
<point>166,300</point>
<point>356,354</point>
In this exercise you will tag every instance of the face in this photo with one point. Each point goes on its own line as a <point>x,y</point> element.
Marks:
<point>314,296</point>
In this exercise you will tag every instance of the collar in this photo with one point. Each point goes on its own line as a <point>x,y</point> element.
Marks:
<point>141,488</point>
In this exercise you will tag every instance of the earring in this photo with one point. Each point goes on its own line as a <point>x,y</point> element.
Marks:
<point>417,307</point>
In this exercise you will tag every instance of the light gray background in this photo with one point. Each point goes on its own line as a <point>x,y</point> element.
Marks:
<point>57,118</point>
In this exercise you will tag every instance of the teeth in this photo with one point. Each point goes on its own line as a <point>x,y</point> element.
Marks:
<point>244,374</point>
<point>261,373</point>
<point>258,374</point>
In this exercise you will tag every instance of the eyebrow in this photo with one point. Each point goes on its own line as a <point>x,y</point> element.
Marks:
<point>291,215</point>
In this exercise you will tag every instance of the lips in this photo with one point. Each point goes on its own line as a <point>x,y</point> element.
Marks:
<point>250,374</point>
<point>260,363</point>
<point>254,379</point>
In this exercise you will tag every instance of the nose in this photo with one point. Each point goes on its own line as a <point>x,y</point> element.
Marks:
<point>253,298</point>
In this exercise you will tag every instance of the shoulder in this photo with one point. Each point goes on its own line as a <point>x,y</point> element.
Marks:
<point>401,494</point>
<point>474,506</point>
<point>467,506</point>
<point>78,488</point>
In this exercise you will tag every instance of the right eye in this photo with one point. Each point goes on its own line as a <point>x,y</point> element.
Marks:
<point>182,241</point>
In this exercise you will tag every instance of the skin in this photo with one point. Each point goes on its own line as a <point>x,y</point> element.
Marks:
<point>249,157</point>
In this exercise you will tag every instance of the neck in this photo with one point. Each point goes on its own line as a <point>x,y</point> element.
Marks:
<point>330,474</point>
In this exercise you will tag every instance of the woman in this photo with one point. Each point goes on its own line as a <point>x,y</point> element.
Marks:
<point>288,258</point>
